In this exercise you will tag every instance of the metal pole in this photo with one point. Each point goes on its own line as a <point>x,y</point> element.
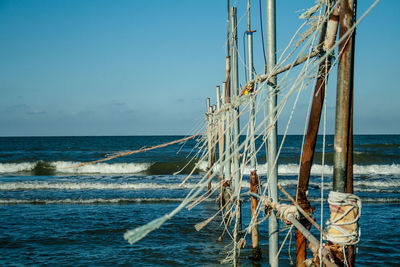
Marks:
<point>221,141</point>
<point>252,99</point>
<point>227,86</point>
<point>272,140</point>
<point>254,181</point>
<point>235,134</point>
<point>209,141</point>
<point>235,93</point>
<point>218,94</point>
<point>228,57</point>
<point>227,140</point>
<point>351,256</point>
<point>343,100</point>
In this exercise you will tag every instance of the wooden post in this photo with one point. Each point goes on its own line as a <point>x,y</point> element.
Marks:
<point>254,187</point>
<point>327,40</point>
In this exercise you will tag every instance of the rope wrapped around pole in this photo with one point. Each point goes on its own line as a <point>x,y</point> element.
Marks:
<point>343,224</point>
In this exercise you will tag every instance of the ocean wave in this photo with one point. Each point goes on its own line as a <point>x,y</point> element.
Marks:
<point>88,201</point>
<point>94,201</point>
<point>69,167</point>
<point>14,186</point>
<point>362,186</point>
<point>317,169</point>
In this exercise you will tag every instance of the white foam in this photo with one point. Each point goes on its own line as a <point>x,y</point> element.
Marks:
<point>126,168</point>
<point>106,168</point>
<point>87,201</point>
<point>317,169</point>
<point>68,167</point>
<point>14,186</point>
<point>16,167</point>
<point>92,201</point>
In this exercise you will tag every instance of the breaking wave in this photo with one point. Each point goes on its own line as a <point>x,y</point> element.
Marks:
<point>362,186</point>
<point>88,201</point>
<point>317,169</point>
<point>68,167</point>
<point>100,201</point>
<point>14,186</point>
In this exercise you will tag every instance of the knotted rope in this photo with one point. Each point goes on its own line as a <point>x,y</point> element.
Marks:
<point>343,224</point>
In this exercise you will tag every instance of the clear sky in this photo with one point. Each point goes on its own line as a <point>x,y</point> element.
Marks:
<point>81,67</point>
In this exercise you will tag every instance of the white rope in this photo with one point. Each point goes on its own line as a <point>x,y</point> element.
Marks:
<point>342,229</point>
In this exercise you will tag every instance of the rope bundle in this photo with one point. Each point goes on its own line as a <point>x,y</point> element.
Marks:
<point>343,224</point>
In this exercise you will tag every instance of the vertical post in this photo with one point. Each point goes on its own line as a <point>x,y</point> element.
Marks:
<point>272,140</point>
<point>250,74</point>
<point>343,150</point>
<point>254,182</point>
<point>227,86</point>
<point>343,99</point>
<point>221,141</point>
<point>235,133</point>
<point>227,167</point>
<point>218,134</point>
<point>235,93</point>
<point>209,141</point>
<point>254,187</point>
<point>351,256</point>
<point>228,57</point>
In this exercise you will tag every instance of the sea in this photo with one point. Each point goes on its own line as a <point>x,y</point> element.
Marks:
<point>55,214</point>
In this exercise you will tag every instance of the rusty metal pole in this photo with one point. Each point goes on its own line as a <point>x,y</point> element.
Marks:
<point>254,187</point>
<point>254,181</point>
<point>351,256</point>
<point>228,101</point>
<point>343,154</point>
<point>235,133</point>
<point>235,110</point>
<point>343,99</point>
<point>327,40</point>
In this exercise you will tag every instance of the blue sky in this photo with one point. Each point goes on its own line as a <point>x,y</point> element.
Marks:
<point>83,67</point>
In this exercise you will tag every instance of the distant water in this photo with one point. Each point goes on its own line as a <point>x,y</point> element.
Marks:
<point>52,213</point>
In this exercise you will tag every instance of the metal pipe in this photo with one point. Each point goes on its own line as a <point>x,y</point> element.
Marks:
<point>209,141</point>
<point>250,74</point>
<point>218,97</point>
<point>228,57</point>
<point>235,133</point>
<point>343,100</point>
<point>235,93</point>
<point>350,254</point>
<point>272,140</point>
